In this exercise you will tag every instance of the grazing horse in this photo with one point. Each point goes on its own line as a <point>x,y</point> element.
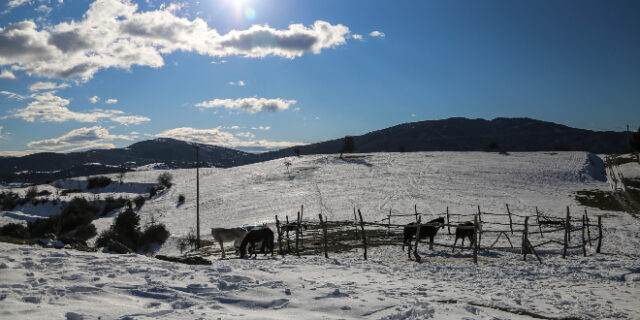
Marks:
<point>254,236</point>
<point>465,233</point>
<point>425,231</point>
<point>223,235</point>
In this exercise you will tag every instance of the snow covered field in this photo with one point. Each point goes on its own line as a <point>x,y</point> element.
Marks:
<point>45,283</point>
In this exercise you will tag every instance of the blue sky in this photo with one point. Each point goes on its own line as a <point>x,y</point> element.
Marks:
<point>258,75</point>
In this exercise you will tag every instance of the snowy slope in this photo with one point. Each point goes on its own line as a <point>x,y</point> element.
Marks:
<point>44,283</point>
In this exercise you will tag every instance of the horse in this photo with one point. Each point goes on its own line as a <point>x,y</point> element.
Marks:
<point>223,235</point>
<point>465,233</point>
<point>254,236</point>
<point>425,231</point>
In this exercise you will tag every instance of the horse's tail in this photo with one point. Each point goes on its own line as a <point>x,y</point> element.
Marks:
<point>243,246</point>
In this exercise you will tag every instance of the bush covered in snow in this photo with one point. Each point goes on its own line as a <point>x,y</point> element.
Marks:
<point>71,223</point>
<point>139,201</point>
<point>111,204</point>
<point>98,182</point>
<point>181,198</point>
<point>125,236</point>
<point>14,230</point>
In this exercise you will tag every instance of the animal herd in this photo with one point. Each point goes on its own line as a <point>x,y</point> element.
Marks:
<point>248,241</point>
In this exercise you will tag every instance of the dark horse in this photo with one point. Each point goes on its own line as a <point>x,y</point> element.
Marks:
<point>465,233</point>
<point>425,231</point>
<point>264,235</point>
<point>292,226</point>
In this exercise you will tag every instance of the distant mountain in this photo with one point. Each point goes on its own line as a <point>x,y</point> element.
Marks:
<point>462,134</point>
<point>453,134</point>
<point>172,153</point>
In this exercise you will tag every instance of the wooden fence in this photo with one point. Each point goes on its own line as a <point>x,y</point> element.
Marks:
<point>323,235</point>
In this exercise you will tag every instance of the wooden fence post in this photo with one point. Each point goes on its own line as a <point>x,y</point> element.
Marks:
<point>279,235</point>
<point>566,235</point>
<point>568,224</point>
<point>415,208</point>
<point>584,225</point>
<point>524,238</point>
<point>475,238</point>
<point>415,249</point>
<point>389,224</point>
<point>510,219</point>
<point>300,227</point>
<point>323,225</point>
<point>286,229</point>
<point>355,222</point>
<point>586,215</point>
<point>364,236</point>
<point>448,223</point>
<point>298,236</point>
<point>599,234</point>
<point>539,225</point>
<point>479,226</point>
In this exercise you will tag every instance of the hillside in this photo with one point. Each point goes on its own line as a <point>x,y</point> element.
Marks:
<point>445,286</point>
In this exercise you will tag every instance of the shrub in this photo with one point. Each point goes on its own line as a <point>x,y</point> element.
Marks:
<point>189,242</point>
<point>125,235</point>
<point>77,214</point>
<point>348,145</point>
<point>139,201</point>
<point>112,204</point>
<point>44,193</point>
<point>98,182</point>
<point>155,233</point>
<point>491,147</point>
<point>14,230</point>
<point>31,193</point>
<point>9,200</point>
<point>154,190</point>
<point>164,179</point>
<point>181,198</point>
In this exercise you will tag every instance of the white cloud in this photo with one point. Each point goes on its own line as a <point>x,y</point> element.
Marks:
<point>43,9</point>
<point>14,4</point>
<point>218,137</point>
<point>78,139</point>
<point>47,85</point>
<point>14,95</point>
<point>356,36</point>
<point>48,107</point>
<point>94,99</point>
<point>7,75</point>
<point>111,101</point>
<point>2,135</point>
<point>261,128</point>
<point>114,34</point>
<point>236,83</point>
<point>377,33</point>
<point>251,105</point>
<point>219,62</point>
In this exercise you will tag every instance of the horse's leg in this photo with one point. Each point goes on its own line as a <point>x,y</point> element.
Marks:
<point>431,242</point>
<point>222,248</point>
<point>454,245</point>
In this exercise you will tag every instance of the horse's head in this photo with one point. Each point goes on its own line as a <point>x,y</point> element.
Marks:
<point>440,221</point>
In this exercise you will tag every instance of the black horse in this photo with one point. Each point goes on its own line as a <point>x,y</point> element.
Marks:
<point>292,226</point>
<point>462,233</point>
<point>264,235</point>
<point>425,231</point>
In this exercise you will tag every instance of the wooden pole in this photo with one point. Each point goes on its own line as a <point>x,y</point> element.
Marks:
<point>415,247</point>
<point>323,224</point>
<point>586,215</point>
<point>415,208</point>
<point>389,224</point>
<point>198,196</point>
<point>566,235</point>
<point>364,236</point>
<point>510,219</point>
<point>475,238</point>
<point>288,239</point>
<point>479,226</point>
<point>279,235</point>
<point>448,223</point>
<point>599,234</point>
<point>298,236</point>
<point>300,227</point>
<point>538,220</point>
<point>584,225</point>
<point>524,238</point>
<point>355,222</point>
<point>568,225</point>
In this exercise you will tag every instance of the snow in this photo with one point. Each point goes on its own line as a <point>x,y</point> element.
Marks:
<point>55,283</point>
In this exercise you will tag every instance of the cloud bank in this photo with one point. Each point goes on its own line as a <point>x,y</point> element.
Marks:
<point>215,136</point>
<point>79,139</point>
<point>114,34</point>
<point>251,105</point>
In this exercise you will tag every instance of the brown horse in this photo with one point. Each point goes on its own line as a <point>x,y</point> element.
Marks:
<point>425,231</point>
<point>264,235</point>
<point>465,233</point>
